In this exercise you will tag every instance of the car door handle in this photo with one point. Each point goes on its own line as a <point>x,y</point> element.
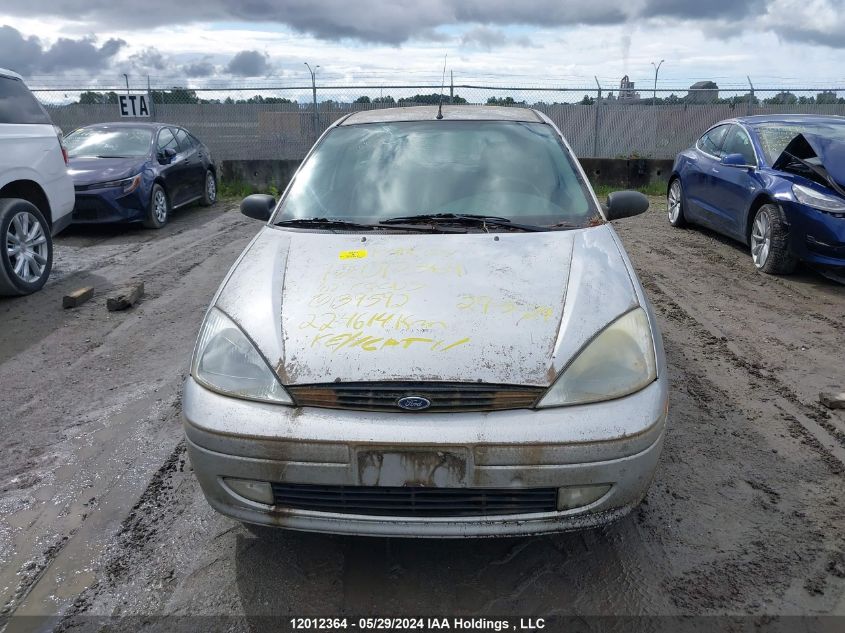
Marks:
<point>714,170</point>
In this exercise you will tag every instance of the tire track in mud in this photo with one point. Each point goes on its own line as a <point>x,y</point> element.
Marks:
<point>737,267</point>
<point>137,531</point>
<point>834,457</point>
<point>30,573</point>
<point>772,522</point>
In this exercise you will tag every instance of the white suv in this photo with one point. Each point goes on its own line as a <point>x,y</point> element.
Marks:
<point>36,193</point>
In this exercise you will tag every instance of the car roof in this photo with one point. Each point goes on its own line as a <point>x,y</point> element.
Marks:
<point>152,125</point>
<point>790,118</point>
<point>10,73</point>
<point>450,113</point>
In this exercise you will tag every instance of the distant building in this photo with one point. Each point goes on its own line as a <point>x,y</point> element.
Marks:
<point>703,92</point>
<point>626,90</point>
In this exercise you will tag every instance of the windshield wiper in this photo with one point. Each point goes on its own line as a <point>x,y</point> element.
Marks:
<point>463,218</point>
<point>325,223</point>
<point>334,223</point>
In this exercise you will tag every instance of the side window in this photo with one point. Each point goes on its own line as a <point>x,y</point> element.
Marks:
<point>737,142</point>
<point>184,140</point>
<point>17,105</point>
<point>166,140</point>
<point>711,142</point>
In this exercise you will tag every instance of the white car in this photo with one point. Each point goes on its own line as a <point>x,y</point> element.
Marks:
<point>36,192</point>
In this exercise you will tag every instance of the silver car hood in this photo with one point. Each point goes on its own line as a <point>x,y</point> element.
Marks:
<point>509,308</point>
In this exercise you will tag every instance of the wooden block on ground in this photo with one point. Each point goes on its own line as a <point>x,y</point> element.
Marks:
<point>833,400</point>
<point>77,297</point>
<point>125,297</point>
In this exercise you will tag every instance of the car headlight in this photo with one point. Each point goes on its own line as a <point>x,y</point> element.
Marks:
<point>617,362</point>
<point>225,360</point>
<point>818,200</point>
<point>127,184</point>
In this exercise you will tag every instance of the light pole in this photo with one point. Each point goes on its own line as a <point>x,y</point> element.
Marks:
<point>314,92</point>
<point>656,70</point>
<point>126,77</point>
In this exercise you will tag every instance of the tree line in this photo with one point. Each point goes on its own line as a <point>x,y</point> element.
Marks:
<point>179,95</point>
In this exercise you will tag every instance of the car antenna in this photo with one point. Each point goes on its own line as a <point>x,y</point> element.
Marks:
<point>442,84</point>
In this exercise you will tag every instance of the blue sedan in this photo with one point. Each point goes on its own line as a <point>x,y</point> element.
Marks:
<point>137,172</point>
<point>776,183</point>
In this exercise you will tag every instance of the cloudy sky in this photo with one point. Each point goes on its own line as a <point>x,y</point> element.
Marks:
<point>501,42</point>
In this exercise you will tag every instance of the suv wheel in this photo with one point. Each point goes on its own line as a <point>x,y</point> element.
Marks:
<point>26,257</point>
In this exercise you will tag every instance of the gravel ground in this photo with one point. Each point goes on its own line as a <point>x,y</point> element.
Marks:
<point>100,514</point>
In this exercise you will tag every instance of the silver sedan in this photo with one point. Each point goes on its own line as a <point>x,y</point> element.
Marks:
<point>436,333</point>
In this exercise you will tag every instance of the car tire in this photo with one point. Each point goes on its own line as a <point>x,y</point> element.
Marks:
<point>769,242</point>
<point>675,204</point>
<point>209,191</point>
<point>158,211</point>
<point>26,248</point>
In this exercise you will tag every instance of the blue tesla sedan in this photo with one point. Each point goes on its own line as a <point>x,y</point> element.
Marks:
<point>775,182</point>
<point>137,172</point>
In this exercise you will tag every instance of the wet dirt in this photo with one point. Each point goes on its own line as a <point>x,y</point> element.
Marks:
<point>102,516</point>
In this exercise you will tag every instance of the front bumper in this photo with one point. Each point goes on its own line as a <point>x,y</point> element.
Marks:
<point>95,206</point>
<point>815,236</point>
<point>616,442</point>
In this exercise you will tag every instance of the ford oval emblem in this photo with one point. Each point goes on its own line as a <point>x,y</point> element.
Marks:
<point>413,403</point>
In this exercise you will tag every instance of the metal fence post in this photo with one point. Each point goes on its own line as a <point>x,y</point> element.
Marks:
<point>316,113</point>
<point>596,126</point>
<point>152,101</point>
<point>313,72</point>
<point>750,107</point>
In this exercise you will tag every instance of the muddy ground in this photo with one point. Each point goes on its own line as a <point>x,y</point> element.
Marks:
<point>100,514</point>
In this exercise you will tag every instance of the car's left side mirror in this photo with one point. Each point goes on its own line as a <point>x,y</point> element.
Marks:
<point>624,204</point>
<point>165,157</point>
<point>734,160</point>
<point>259,206</point>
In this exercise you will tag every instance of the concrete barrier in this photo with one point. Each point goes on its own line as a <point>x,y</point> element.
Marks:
<point>627,173</point>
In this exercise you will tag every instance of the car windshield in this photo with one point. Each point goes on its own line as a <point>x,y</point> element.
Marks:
<point>774,137</point>
<point>114,142</point>
<point>372,172</point>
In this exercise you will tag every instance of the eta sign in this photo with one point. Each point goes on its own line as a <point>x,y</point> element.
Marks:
<point>134,104</point>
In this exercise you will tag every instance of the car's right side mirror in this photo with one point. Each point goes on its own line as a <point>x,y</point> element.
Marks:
<point>624,204</point>
<point>259,206</point>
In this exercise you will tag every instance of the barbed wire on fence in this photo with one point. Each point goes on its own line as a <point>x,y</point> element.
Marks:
<point>266,120</point>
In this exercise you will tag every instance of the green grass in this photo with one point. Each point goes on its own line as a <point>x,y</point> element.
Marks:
<point>240,189</point>
<point>653,189</point>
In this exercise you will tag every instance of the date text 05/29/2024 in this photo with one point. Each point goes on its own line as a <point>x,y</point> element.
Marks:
<point>418,624</point>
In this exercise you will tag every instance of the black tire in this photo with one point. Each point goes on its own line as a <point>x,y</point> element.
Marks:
<point>776,258</point>
<point>675,195</point>
<point>35,254</point>
<point>157,216</point>
<point>209,189</point>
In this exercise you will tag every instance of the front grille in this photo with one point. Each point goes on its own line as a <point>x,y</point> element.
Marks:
<point>89,208</point>
<point>415,502</point>
<point>444,396</point>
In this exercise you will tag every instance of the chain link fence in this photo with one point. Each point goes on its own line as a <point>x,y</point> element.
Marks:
<point>271,122</point>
